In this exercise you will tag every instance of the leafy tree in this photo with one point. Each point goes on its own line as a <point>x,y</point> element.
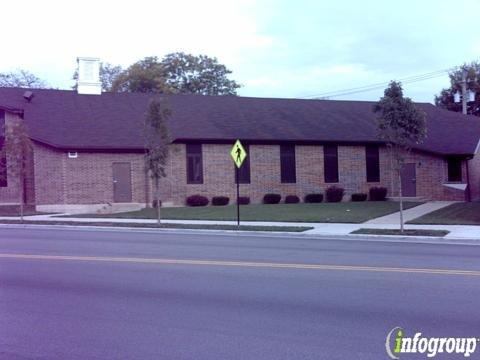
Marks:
<point>21,78</point>
<point>16,154</point>
<point>446,97</point>
<point>145,76</point>
<point>156,145</point>
<point>189,74</point>
<point>108,74</point>
<point>400,125</point>
<point>176,73</point>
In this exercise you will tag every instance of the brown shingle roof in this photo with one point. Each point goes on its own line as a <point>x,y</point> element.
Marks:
<point>67,120</point>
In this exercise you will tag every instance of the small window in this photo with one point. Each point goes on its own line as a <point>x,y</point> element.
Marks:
<point>330,163</point>
<point>454,170</point>
<point>372,163</point>
<point>287,164</point>
<point>244,170</point>
<point>72,154</point>
<point>194,164</point>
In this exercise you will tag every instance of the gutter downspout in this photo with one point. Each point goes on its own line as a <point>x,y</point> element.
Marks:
<point>469,193</point>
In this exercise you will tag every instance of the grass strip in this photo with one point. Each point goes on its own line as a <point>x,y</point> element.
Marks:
<point>407,232</point>
<point>164,226</point>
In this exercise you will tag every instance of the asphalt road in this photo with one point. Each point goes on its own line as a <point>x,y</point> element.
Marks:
<point>131,295</point>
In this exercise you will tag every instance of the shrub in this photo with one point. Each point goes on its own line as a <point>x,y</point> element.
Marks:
<point>313,198</point>
<point>197,200</point>
<point>359,197</point>
<point>243,200</point>
<point>220,200</point>
<point>292,199</point>
<point>155,204</point>
<point>378,193</point>
<point>334,194</point>
<point>272,198</point>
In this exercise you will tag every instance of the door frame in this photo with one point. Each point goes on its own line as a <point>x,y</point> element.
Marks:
<point>413,181</point>
<point>115,185</point>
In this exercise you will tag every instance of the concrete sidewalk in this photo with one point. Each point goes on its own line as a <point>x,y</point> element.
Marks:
<point>412,213</point>
<point>322,229</point>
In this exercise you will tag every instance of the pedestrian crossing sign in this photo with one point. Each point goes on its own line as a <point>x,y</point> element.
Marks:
<point>238,153</point>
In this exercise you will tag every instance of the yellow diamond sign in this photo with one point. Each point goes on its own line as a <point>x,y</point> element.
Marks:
<point>238,153</point>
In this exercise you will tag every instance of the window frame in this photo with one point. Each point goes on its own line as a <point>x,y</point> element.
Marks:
<point>288,166</point>
<point>458,171</point>
<point>375,157</point>
<point>194,155</point>
<point>328,159</point>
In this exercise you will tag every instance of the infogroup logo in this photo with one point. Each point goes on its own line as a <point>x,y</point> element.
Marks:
<point>397,343</point>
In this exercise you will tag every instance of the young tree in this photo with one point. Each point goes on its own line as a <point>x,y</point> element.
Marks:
<point>400,125</point>
<point>15,154</point>
<point>22,78</point>
<point>445,99</point>
<point>156,145</point>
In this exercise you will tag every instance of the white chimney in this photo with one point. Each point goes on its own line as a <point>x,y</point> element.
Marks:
<point>89,76</point>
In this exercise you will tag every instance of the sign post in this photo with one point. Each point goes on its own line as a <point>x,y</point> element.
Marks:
<point>238,195</point>
<point>238,155</point>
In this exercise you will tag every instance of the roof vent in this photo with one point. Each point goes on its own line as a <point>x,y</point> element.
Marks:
<point>28,95</point>
<point>89,76</point>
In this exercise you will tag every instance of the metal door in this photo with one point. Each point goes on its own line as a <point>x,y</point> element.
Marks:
<point>409,181</point>
<point>122,182</point>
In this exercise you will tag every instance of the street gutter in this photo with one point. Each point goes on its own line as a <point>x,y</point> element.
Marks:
<point>265,234</point>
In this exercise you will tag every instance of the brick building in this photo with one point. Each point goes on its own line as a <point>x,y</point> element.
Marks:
<point>88,149</point>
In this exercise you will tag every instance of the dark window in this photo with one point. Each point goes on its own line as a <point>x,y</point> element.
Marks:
<point>3,159</point>
<point>373,163</point>
<point>194,164</point>
<point>287,164</point>
<point>454,169</point>
<point>2,123</point>
<point>330,162</point>
<point>244,170</point>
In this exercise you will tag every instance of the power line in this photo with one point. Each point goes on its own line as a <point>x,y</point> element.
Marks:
<point>359,89</point>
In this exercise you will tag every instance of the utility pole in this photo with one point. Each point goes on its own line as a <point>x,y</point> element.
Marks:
<point>464,92</point>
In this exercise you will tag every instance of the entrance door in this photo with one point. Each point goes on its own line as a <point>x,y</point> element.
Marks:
<point>409,181</point>
<point>122,182</point>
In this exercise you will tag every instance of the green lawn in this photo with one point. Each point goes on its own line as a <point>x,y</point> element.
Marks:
<point>406,232</point>
<point>345,212</point>
<point>455,214</point>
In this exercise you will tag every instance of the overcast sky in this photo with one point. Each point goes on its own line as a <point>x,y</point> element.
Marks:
<point>274,48</point>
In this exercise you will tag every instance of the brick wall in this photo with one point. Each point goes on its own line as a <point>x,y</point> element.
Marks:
<point>219,175</point>
<point>431,175</point>
<point>87,179</point>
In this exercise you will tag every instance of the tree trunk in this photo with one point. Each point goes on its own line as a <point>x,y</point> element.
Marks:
<point>392,172</point>
<point>401,199</point>
<point>157,200</point>
<point>21,200</point>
